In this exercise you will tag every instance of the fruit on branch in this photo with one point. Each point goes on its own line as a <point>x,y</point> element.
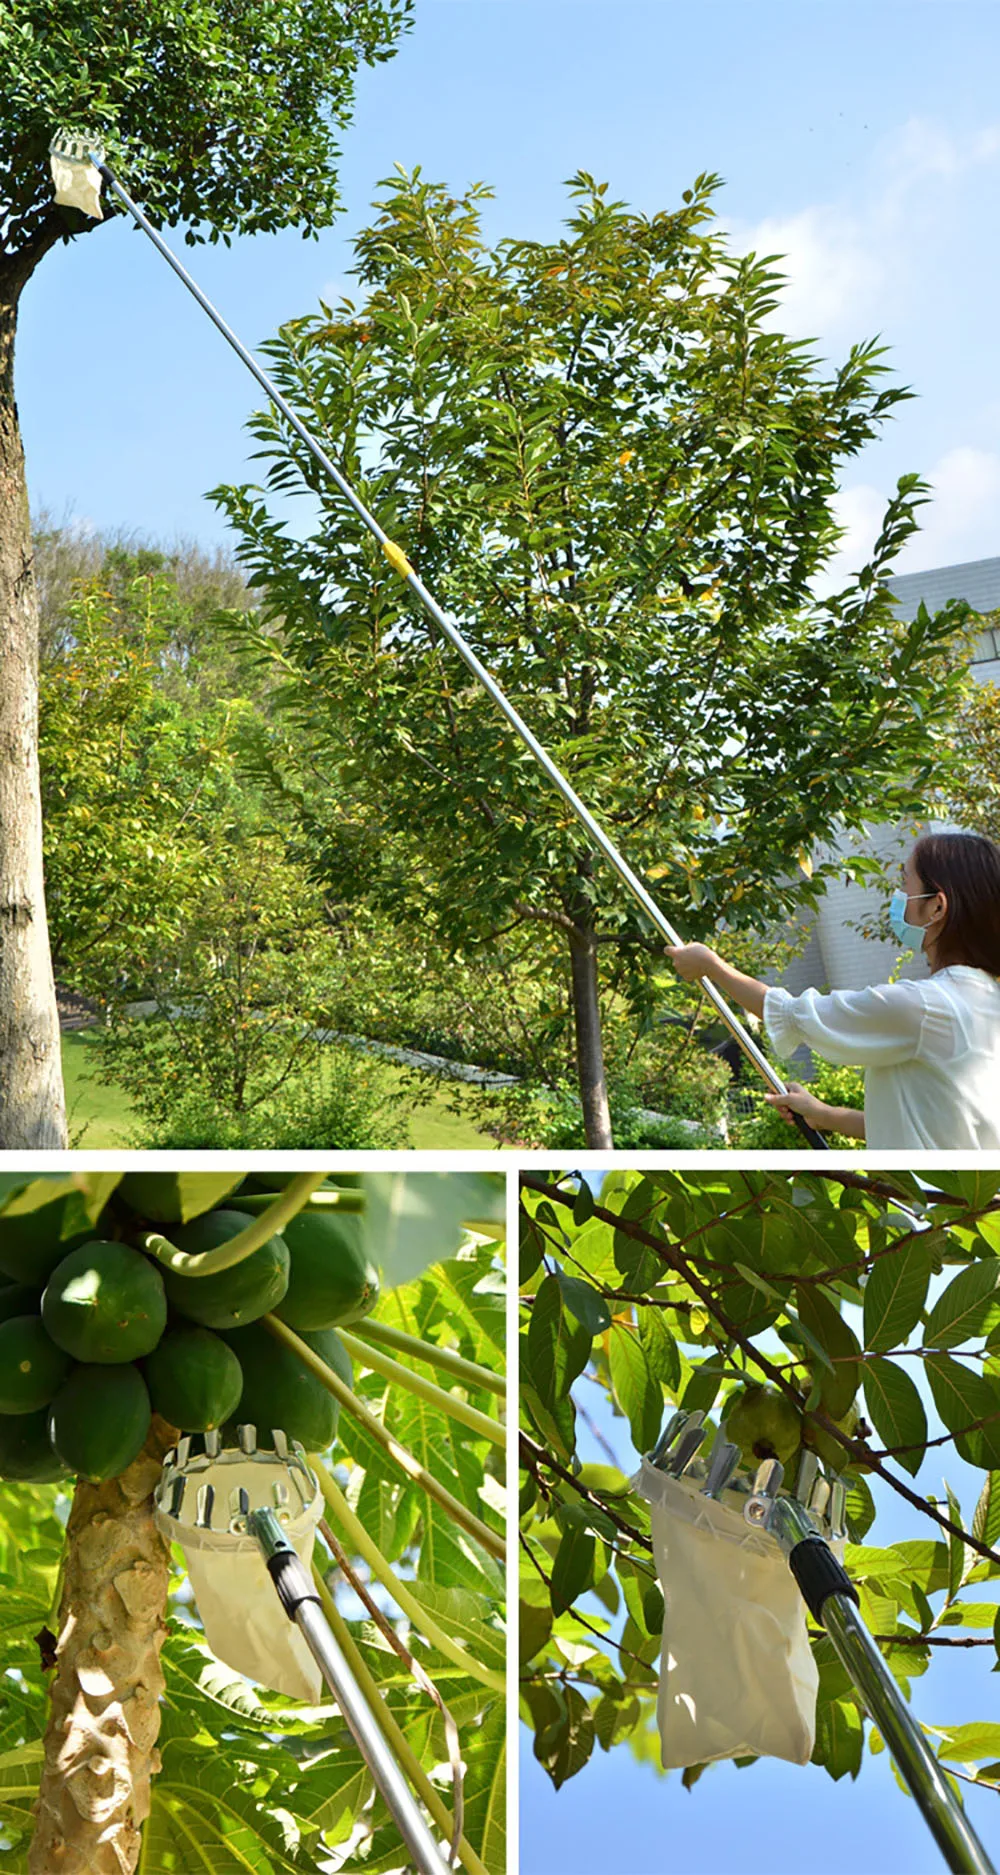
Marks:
<point>99,1420</point>
<point>194,1379</point>
<point>174,1197</point>
<point>332,1280</point>
<point>27,1454</point>
<point>32,1367</point>
<point>105,1302</point>
<point>32,1243</point>
<point>18,1299</point>
<point>229,1298</point>
<point>278,1390</point>
<point>764,1424</point>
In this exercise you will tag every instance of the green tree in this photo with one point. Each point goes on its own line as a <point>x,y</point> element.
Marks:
<point>210,1771</point>
<point>602,457</point>
<point>829,1290</point>
<point>223,118</point>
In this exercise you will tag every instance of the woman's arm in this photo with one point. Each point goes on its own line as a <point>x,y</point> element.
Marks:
<point>692,961</point>
<point>826,1119</point>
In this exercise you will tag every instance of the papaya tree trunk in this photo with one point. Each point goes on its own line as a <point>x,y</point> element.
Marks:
<point>32,1106</point>
<point>587,1026</point>
<point>100,1743</point>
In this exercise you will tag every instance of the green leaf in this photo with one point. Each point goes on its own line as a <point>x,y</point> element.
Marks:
<point>839,1738</point>
<point>660,1348</point>
<point>969,1307</point>
<point>896,1410</point>
<point>894,1295</point>
<point>860,1509</point>
<point>967,1744</point>
<point>986,1516</point>
<point>818,1314</point>
<point>573,1568</point>
<point>964,1398</point>
<point>586,1303</point>
<point>566,1743</point>
<point>638,1393</point>
<point>702,1389</point>
<point>583,1204</point>
<point>534,1630</point>
<point>558,1345</point>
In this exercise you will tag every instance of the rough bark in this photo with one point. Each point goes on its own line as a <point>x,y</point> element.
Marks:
<point>100,1744</point>
<point>589,1045</point>
<point>32,1106</point>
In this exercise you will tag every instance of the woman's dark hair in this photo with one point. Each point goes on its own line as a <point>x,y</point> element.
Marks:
<point>966,867</point>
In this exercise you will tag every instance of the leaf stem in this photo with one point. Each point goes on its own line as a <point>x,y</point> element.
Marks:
<point>350,1199</point>
<point>445,1358</point>
<point>225,1256</point>
<point>413,1609</point>
<point>399,1453</point>
<point>409,1762</point>
<point>479,1423</point>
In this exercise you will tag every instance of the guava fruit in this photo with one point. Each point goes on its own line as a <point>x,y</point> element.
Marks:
<point>764,1424</point>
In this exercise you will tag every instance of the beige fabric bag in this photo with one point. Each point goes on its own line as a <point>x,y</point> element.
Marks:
<point>737,1676</point>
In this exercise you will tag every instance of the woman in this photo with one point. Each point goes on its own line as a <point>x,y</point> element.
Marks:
<point>930,1050</point>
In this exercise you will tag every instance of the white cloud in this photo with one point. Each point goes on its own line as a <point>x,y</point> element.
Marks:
<point>852,264</point>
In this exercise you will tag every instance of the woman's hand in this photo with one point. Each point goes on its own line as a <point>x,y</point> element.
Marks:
<point>799,1100</point>
<point>692,961</point>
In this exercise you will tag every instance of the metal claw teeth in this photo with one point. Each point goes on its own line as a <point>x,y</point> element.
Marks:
<point>767,1482</point>
<point>675,1424</point>
<point>213,1442</point>
<point>838,1508</point>
<point>177,1490</point>
<point>819,1499</point>
<point>206,1504</point>
<point>247,1436</point>
<point>280,1442</point>
<point>723,1461</point>
<point>183,1451</point>
<point>279,1494</point>
<point>687,1445</point>
<point>806,1477</point>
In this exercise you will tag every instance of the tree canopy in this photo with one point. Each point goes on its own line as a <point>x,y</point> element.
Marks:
<point>599,453</point>
<point>828,1289</point>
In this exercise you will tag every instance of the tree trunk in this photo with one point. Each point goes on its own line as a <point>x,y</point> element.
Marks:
<point>32,1107</point>
<point>589,1046</point>
<point>100,1744</point>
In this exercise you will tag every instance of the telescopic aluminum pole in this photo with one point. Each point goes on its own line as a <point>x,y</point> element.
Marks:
<point>398,560</point>
<point>302,1605</point>
<point>832,1600</point>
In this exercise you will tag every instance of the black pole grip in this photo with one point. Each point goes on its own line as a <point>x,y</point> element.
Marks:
<point>808,1132</point>
<point>819,1574</point>
<point>292,1581</point>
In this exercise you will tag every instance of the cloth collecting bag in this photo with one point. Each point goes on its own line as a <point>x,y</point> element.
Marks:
<point>737,1676</point>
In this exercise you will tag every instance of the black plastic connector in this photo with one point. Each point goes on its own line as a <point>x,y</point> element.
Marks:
<point>292,1580</point>
<point>819,1574</point>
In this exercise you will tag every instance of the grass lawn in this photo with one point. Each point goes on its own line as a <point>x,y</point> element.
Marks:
<point>101,1115</point>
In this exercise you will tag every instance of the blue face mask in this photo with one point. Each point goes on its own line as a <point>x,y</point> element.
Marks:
<point>912,935</point>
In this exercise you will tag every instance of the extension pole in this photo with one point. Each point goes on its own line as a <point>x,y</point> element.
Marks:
<point>398,560</point>
<point>302,1605</point>
<point>832,1600</point>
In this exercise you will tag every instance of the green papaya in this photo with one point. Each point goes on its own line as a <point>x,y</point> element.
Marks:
<point>194,1379</point>
<point>33,1242</point>
<point>175,1197</point>
<point>27,1454</point>
<point>99,1419</point>
<point>105,1302</point>
<point>279,1391</point>
<point>232,1297</point>
<point>331,1278</point>
<point>32,1368</point>
<point>19,1299</point>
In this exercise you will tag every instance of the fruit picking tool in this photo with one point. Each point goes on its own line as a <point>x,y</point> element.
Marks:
<point>80,155</point>
<point>276,1497</point>
<point>832,1601</point>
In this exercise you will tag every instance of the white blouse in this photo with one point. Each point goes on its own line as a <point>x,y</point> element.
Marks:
<point>930,1051</point>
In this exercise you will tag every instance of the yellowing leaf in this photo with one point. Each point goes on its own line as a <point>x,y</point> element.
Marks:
<point>805,861</point>
<point>626,457</point>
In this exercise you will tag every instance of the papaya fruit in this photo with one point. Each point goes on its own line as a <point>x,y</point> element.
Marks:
<point>27,1454</point>
<point>331,1277</point>
<point>175,1197</point>
<point>99,1419</point>
<point>33,1242</point>
<point>194,1379</point>
<point>32,1367</point>
<point>105,1302</point>
<point>233,1297</point>
<point>19,1299</point>
<point>279,1391</point>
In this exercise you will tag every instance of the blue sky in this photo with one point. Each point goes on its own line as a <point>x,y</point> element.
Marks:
<point>861,139</point>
